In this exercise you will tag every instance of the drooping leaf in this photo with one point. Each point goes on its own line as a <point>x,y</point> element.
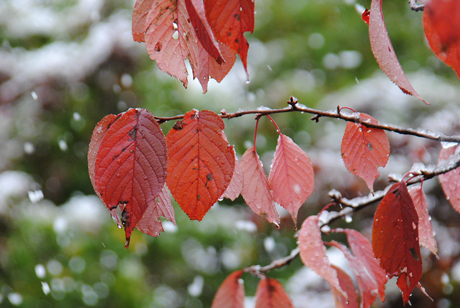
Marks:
<point>236,184</point>
<point>165,207</point>
<point>441,21</point>
<point>364,149</point>
<point>313,252</point>
<point>383,50</point>
<point>450,181</point>
<point>256,188</point>
<point>201,162</point>
<point>230,293</point>
<point>229,19</point>
<point>170,37</point>
<point>366,283</point>
<point>425,229</point>
<point>395,238</point>
<point>346,283</point>
<point>291,176</point>
<point>130,168</point>
<point>362,250</point>
<point>270,294</point>
<point>96,139</point>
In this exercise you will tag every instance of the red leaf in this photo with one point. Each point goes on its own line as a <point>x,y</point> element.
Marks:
<point>256,189</point>
<point>395,238</point>
<point>362,250</point>
<point>201,162</point>
<point>365,16</point>
<point>230,293</point>
<point>130,168</point>
<point>450,181</point>
<point>425,230</point>
<point>170,37</point>
<point>366,282</point>
<point>347,285</point>
<point>236,184</point>
<point>383,50</point>
<point>96,139</point>
<point>441,22</point>
<point>291,176</point>
<point>364,149</point>
<point>229,19</point>
<point>165,207</point>
<point>313,252</point>
<point>270,294</point>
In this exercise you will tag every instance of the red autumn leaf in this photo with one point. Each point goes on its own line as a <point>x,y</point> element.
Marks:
<point>441,21</point>
<point>366,283</point>
<point>450,181</point>
<point>291,176</point>
<point>395,238</point>
<point>96,139</point>
<point>383,50</point>
<point>170,37</point>
<point>347,285</point>
<point>201,162</point>
<point>362,250</point>
<point>364,149</point>
<point>365,16</point>
<point>313,252</point>
<point>236,184</point>
<point>270,294</point>
<point>425,230</point>
<point>229,19</point>
<point>230,293</point>
<point>256,188</point>
<point>130,168</point>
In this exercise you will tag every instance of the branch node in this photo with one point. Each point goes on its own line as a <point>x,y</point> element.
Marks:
<point>315,118</point>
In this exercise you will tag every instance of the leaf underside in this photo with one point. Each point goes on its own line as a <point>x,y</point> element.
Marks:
<point>450,181</point>
<point>271,294</point>
<point>346,283</point>
<point>230,293</point>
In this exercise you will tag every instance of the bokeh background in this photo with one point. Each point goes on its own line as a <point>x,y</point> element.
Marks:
<point>65,64</point>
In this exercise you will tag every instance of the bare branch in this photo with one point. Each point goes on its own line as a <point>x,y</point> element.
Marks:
<point>294,106</point>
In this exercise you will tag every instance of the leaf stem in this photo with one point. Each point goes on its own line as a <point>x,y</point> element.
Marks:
<point>274,123</point>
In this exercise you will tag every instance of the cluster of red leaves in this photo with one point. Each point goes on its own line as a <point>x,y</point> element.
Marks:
<point>209,33</point>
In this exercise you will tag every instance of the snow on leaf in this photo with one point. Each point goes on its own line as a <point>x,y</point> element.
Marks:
<point>346,283</point>
<point>231,292</point>
<point>383,50</point>
<point>170,38</point>
<point>96,139</point>
<point>441,20</point>
<point>291,176</point>
<point>271,294</point>
<point>395,238</point>
<point>130,168</point>
<point>450,181</point>
<point>201,162</point>
<point>256,188</point>
<point>236,184</point>
<point>425,230</point>
<point>229,19</point>
<point>362,250</point>
<point>364,149</point>
<point>313,252</point>
<point>366,283</point>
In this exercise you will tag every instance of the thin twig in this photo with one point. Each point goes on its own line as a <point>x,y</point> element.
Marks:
<point>294,106</point>
<point>415,6</point>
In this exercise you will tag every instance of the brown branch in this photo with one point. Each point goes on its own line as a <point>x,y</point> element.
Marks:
<point>295,106</point>
<point>356,204</point>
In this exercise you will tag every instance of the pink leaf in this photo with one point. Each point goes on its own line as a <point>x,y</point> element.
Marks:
<point>230,293</point>
<point>313,252</point>
<point>291,176</point>
<point>165,207</point>
<point>347,285</point>
<point>383,50</point>
<point>450,181</point>
<point>256,189</point>
<point>425,230</point>
<point>236,184</point>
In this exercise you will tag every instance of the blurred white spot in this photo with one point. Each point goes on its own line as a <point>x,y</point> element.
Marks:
<point>46,288</point>
<point>245,225</point>
<point>60,224</point>
<point>316,41</point>
<point>89,297</point>
<point>446,145</point>
<point>15,299</point>
<point>230,258</point>
<point>29,147</point>
<point>196,287</point>
<point>54,267</point>
<point>40,271</point>
<point>76,116</point>
<point>109,259</point>
<point>34,95</point>
<point>350,59</point>
<point>63,145</point>
<point>169,227</point>
<point>141,249</point>
<point>269,244</point>
<point>248,144</point>
<point>77,265</point>
<point>126,80</point>
<point>359,8</point>
<point>331,61</point>
<point>35,196</point>
<point>165,296</point>
<point>101,289</point>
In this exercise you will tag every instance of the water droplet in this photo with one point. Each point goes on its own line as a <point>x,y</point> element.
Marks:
<point>348,219</point>
<point>248,81</point>
<point>119,161</point>
<point>118,175</point>
<point>34,95</point>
